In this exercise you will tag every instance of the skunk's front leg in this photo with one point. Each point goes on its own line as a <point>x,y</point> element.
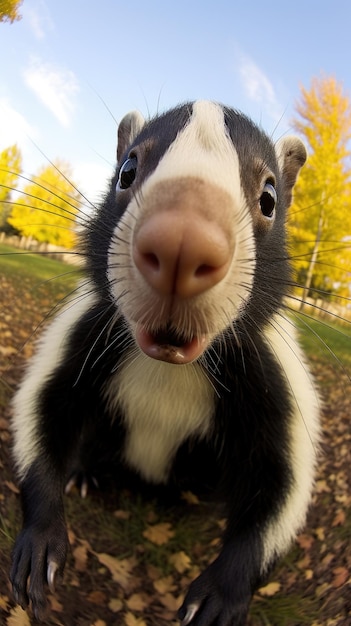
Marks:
<point>223,592</point>
<point>40,550</point>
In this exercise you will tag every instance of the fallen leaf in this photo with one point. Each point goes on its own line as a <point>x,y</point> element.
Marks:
<point>181,561</point>
<point>320,533</point>
<point>153,572</point>
<point>159,534</point>
<point>164,585</point>
<point>10,485</point>
<point>305,541</point>
<point>269,590</point>
<point>339,519</point>
<point>97,597</point>
<point>341,574</point>
<point>131,620</point>
<point>4,601</point>
<point>138,602</point>
<point>328,559</point>
<point>120,569</point>
<point>115,605</point>
<point>55,604</point>
<point>321,589</point>
<point>18,617</point>
<point>190,497</point>
<point>322,487</point>
<point>170,602</point>
<point>80,555</point>
<point>123,515</point>
<point>304,563</point>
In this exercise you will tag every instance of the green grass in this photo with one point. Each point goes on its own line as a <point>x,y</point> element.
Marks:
<point>39,268</point>
<point>326,340</point>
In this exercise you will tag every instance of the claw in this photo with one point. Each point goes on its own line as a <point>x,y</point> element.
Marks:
<point>192,609</point>
<point>69,486</point>
<point>51,575</point>
<point>84,488</point>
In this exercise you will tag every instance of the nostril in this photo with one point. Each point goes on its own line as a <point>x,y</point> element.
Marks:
<point>204,270</point>
<point>152,261</point>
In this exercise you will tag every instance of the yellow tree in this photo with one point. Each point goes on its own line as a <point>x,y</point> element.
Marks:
<point>9,10</point>
<point>10,170</point>
<point>48,207</point>
<point>320,217</point>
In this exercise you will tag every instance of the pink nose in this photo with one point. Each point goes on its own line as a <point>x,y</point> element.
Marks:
<point>181,255</point>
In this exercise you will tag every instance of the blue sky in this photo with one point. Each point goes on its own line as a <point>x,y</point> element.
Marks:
<point>64,60</point>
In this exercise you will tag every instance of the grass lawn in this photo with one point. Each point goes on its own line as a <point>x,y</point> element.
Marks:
<point>110,533</point>
<point>39,268</point>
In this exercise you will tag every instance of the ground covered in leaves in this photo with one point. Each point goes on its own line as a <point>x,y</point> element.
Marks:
<point>132,560</point>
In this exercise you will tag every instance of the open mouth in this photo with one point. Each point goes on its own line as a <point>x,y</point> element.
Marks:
<point>169,345</point>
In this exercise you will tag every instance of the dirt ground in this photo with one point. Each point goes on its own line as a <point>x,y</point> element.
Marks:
<point>131,562</point>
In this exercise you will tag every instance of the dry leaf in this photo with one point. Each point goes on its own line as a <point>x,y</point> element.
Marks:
<point>269,590</point>
<point>328,558</point>
<point>341,575</point>
<point>80,555</point>
<point>97,597</point>
<point>115,605</point>
<point>131,620</point>
<point>55,604</point>
<point>170,602</point>
<point>322,589</point>
<point>305,541</point>
<point>181,561</point>
<point>159,534</point>
<point>4,600</point>
<point>339,519</point>
<point>304,563</point>
<point>138,602</point>
<point>11,486</point>
<point>123,515</point>
<point>190,497</point>
<point>120,569</point>
<point>18,617</point>
<point>320,533</point>
<point>322,486</point>
<point>164,585</point>
<point>153,572</point>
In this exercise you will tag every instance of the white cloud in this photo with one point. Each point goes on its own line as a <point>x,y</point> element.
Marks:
<point>258,87</point>
<point>55,87</point>
<point>14,128</point>
<point>38,18</point>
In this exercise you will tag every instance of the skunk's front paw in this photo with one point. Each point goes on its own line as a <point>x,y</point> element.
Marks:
<point>38,559</point>
<point>214,599</point>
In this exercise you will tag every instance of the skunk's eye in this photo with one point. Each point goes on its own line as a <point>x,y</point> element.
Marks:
<point>268,200</point>
<point>127,173</point>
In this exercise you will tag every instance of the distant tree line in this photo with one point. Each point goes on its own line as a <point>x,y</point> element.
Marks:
<point>320,217</point>
<point>46,206</point>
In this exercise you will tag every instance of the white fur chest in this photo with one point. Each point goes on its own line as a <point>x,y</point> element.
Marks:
<point>163,405</point>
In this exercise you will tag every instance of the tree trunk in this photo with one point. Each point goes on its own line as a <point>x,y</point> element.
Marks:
<point>313,261</point>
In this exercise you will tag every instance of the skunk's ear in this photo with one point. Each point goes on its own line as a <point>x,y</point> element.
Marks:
<point>128,129</point>
<point>292,155</point>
